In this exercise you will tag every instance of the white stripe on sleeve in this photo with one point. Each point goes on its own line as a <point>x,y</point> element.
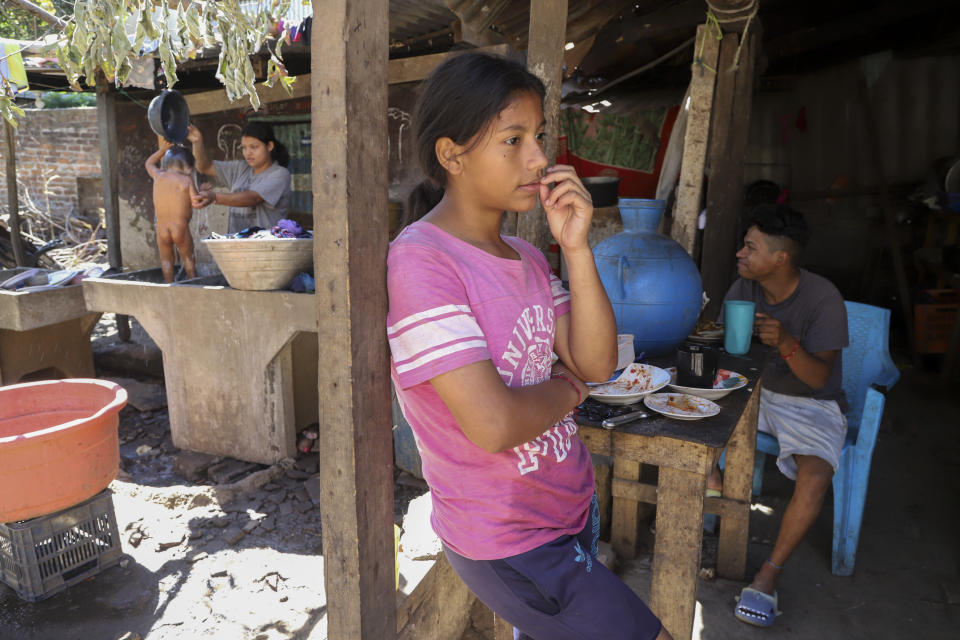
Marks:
<point>440,353</point>
<point>411,343</point>
<point>560,295</point>
<point>429,313</point>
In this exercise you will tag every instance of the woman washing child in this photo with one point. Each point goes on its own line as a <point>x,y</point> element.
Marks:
<point>259,184</point>
<point>473,320</point>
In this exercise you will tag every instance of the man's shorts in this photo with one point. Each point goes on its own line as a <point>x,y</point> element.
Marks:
<point>802,426</point>
<point>559,591</point>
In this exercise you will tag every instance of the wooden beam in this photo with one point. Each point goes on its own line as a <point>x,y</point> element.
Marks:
<point>110,179</point>
<point>548,23</point>
<point>216,100</point>
<point>419,67</point>
<point>13,198</point>
<point>687,208</point>
<point>732,106</point>
<point>400,70</point>
<point>349,70</point>
<point>647,494</point>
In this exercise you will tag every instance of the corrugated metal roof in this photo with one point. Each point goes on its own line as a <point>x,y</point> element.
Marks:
<point>511,18</point>
<point>412,20</point>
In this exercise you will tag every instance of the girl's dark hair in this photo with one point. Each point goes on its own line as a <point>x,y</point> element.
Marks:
<point>264,133</point>
<point>459,100</point>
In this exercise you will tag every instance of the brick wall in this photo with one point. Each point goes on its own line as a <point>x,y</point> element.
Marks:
<point>55,147</point>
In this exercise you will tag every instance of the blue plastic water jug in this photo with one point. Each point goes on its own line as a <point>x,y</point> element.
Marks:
<point>651,281</point>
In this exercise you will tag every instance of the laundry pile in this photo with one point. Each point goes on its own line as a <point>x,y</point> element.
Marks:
<point>283,229</point>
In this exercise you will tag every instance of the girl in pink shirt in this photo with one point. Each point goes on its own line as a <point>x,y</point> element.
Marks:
<point>474,320</point>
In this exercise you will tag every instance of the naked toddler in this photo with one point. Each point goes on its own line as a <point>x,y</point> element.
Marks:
<point>171,168</point>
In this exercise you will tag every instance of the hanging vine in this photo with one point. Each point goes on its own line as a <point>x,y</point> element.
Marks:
<point>108,35</point>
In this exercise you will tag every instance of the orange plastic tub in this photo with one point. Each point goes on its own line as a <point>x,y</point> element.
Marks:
<point>58,444</point>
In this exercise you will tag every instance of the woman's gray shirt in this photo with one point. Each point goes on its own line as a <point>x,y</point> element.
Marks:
<point>273,185</point>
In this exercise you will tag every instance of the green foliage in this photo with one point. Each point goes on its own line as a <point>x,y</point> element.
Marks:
<point>18,24</point>
<point>66,99</point>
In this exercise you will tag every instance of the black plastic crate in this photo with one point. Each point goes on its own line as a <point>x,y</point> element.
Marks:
<point>45,555</point>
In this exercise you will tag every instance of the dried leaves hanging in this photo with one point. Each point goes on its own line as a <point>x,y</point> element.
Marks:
<point>108,35</point>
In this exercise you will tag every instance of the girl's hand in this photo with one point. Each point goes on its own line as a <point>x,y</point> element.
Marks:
<point>194,135</point>
<point>203,198</point>
<point>568,206</point>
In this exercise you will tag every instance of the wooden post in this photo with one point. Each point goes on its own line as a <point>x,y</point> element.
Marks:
<point>548,26</point>
<point>625,520</point>
<point>737,486</point>
<point>13,198</point>
<point>673,593</point>
<point>687,208</point>
<point>728,142</point>
<point>110,173</point>
<point>349,129</point>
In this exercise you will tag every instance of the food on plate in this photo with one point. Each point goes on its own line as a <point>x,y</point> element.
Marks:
<point>635,379</point>
<point>682,403</point>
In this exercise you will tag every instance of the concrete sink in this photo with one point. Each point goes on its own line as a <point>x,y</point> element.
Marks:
<point>240,366</point>
<point>44,334</point>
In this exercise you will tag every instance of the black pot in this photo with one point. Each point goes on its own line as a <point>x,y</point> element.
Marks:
<point>603,190</point>
<point>169,116</point>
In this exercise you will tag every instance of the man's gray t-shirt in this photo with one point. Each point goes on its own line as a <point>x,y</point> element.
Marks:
<point>272,184</point>
<point>816,316</point>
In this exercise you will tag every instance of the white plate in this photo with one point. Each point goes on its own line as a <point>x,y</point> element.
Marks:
<point>681,406</point>
<point>634,383</point>
<point>11,283</point>
<point>725,382</point>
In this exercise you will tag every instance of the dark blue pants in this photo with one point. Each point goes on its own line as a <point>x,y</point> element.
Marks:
<point>559,591</point>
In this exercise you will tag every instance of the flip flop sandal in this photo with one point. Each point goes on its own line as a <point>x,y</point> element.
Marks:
<point>756,607</point>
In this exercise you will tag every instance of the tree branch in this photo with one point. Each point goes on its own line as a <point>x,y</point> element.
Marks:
<point>39,12</point>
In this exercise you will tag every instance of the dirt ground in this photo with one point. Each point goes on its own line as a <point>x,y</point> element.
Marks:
<point>240,557</point>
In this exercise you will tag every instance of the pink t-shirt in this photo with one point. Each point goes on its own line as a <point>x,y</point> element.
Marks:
<point>452,304</point>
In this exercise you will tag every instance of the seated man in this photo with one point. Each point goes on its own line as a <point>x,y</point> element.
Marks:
<point>802,315</point>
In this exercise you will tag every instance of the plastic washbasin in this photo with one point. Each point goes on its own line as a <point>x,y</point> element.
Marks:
<point>58,444</point>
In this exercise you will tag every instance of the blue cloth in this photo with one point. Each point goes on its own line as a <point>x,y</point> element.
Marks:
<point>559,591</point>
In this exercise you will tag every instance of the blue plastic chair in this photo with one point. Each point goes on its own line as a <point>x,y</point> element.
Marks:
<point>866,363</point>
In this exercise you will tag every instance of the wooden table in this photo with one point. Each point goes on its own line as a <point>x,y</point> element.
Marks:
<point>685,452</point>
